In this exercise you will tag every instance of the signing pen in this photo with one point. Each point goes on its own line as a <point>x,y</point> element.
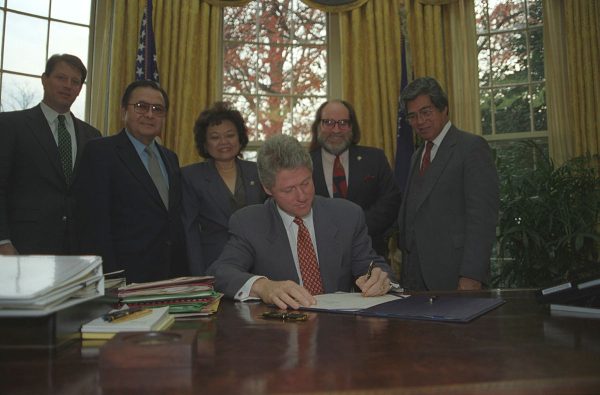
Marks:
<point>371,266</point>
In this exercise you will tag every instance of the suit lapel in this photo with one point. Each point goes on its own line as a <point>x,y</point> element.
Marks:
<point>133,162</point>
<point>38,125</point>
<point>328,247</point>
<point>435,170</point>
<point>318,175</point>
<point>252,185</point>
<point>217,191</point>
<point>278,240</point>
<point>358,171</point>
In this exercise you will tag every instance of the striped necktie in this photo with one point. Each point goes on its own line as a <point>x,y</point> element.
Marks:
<point>340,187</point>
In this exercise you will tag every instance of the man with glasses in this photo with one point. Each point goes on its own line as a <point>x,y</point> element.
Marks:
<point>344,169</point>
<point>40,150</point>
<point>130,192</point>
<point>449,209</point>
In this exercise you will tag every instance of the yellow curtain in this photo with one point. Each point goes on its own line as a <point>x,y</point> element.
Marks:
<point>187,34</point>
<point>572,78</point>
<point>371,69</point>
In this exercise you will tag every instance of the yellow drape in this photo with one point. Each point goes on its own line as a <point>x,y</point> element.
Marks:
<point>572,48</point>
<point>371,68</point>
<point>187,36</point>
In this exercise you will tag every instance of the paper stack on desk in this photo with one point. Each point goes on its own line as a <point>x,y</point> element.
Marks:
<point>185,296</point>
<point>37,285</point>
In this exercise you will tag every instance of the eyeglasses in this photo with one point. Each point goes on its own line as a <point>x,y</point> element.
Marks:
<point>425,113</point>
<point>343,124</point>
<point>143,108</point>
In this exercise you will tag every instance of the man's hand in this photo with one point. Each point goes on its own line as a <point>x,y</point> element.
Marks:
<point>378,284</point>
<point>8,249</point>
<point>468,284</point>
<point>283,294</point>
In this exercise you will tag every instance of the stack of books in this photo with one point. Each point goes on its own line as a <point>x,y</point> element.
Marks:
<point>185,297</point>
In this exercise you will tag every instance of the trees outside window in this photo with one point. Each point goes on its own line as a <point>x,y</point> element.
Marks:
<point>275,66</point>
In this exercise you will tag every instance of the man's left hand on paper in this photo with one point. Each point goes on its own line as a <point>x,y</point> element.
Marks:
<point>283,294</point>
<point>376,285</point>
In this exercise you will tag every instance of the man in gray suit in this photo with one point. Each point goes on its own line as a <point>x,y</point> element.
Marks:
<point>265,257</point>
<point>40,149</point>
<point>450,207</point>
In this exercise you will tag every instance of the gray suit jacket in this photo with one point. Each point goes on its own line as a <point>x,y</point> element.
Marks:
<point>454,225</point>
<point>259,246</point>
<point>36,204</point>
<point>207,208</point>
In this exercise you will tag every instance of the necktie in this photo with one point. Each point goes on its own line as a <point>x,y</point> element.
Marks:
<point>311,277</point>
<point>64,149</point>
<point>340,187</point>
<point>157,176</point>
<point>426,158</point>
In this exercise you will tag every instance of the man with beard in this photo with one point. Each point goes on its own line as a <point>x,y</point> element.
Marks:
<point>344,169</point>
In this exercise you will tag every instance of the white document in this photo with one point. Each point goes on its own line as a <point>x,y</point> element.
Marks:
<point>350,301</point>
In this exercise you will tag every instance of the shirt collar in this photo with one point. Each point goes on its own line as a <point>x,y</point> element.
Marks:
<point>438,140</point>
<point>51,115</point>
<point>288,219</point>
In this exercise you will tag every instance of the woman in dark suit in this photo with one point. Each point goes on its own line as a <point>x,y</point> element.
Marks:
<point>216,188</point>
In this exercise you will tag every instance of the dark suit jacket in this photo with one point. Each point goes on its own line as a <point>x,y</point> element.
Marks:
<point>259,245</point>
<point>123,218</point>
<point>207,208</point>
<point>371,185</point>
<point>36,204</point>
<point>454,226</point>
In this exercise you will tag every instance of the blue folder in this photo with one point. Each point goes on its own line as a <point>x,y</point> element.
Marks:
<point>434,308</point>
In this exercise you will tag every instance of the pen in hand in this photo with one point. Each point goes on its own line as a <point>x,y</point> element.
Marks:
<point>371,266</point>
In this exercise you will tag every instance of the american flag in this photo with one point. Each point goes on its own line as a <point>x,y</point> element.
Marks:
<point>404,135</point>
<point>146,66</point>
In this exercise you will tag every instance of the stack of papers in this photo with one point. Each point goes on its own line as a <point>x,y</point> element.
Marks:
<point>185,296</point>
<point>37,285</point>
<point>158,320</point>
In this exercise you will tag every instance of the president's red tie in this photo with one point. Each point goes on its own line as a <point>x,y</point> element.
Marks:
<point>311,277</point>
<point>426,158</point>
<point>340,187</point>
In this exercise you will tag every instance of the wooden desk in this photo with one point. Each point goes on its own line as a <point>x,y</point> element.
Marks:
<point>519,348</point>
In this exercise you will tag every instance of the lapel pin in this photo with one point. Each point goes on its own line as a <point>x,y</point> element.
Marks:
<point>359,157</point>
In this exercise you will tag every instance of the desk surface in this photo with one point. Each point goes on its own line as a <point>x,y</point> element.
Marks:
<point>519,348</point>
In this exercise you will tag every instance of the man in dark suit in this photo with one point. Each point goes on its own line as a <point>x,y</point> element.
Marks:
<point>296,245</point>
<point>131,187</point>
<point>450,206</point>
<point>364,172</point>
<point>36,202</point>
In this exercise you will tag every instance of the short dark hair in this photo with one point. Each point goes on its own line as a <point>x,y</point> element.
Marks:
<point>314,143</point>
<point>424,86</point>
<point>280,152</point>
<point>215,115</point>
<point>143,84</point>
<point>71,60</point>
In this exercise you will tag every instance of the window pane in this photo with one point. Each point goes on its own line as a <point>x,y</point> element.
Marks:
<point>481,19</point>
<point>25,44</point>
<point>78,108</point>
<point>538,99</point>
<point>535,12</point>
<point>239,68</point>
<point>310,26</point>
<point>274,69</point>
<point>19,92</point>
<point>509,58</point>
<point>71,10</point>
<point>239,23</point>
<point>37,7</point>
<point>274,22</point>
<point>536,48</point>
<point>304,112</point>
<point>1,31</point>
<point>485,104</point>
<point>507,14</point>
<point>272,111</point>
<point>310,70</point>
<point>483,43</point>
<point>512,110</point>
<point>66,38</point>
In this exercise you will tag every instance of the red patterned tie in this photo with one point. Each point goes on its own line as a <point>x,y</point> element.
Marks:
<point>311,277</point>
<point>426,158</point>
<point>340,187</point>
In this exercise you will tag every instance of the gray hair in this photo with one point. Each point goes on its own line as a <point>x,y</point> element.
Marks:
<point>280,152</point>
<point>424,86</point>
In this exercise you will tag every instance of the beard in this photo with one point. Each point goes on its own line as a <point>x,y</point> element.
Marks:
<point>335,148</point>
